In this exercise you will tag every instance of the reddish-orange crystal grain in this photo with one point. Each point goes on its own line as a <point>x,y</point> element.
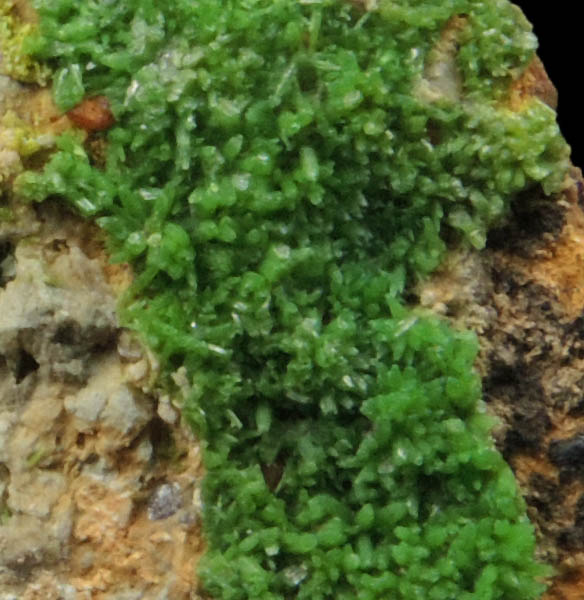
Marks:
<point>92,114</point>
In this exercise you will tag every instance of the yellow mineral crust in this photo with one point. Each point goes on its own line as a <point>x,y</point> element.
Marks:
<point>16,23</point>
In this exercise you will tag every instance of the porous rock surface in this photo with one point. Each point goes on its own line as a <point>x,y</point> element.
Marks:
<point>99,480</point>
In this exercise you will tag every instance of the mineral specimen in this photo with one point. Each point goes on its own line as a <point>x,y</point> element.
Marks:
<point>282,176</point>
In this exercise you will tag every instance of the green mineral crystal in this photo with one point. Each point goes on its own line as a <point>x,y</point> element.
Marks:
<point>279,174</point>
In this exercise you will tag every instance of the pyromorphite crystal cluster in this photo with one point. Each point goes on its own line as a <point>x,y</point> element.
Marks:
<point>277,185</point>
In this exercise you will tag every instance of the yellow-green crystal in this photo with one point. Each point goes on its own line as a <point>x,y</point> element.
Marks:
<point>14,62</point>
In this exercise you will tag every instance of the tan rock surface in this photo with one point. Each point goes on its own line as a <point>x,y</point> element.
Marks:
<point>99,480</point>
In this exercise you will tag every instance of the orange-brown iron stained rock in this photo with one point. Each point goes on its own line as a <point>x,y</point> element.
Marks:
<point>534,83</point>
<point>561,266</point>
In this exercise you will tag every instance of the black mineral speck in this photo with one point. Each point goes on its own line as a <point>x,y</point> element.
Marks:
<point>164,502</point>
<point>529,425</point>
<point>578,409</point>
<point>543,496</point>
<point>571,538</point>
<point>521,386</point>
<point>25,365</point>
<point>7,268</point>
<point>580,190</point>
<point>532,217</point>
<point>579,512</point>
<point>568,454</point>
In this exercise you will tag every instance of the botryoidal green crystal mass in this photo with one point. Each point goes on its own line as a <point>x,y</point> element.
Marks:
<point>277,185</point>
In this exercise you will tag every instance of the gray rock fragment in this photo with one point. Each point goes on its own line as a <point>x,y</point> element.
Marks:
<point>165,501</point>
<point>125,411</point>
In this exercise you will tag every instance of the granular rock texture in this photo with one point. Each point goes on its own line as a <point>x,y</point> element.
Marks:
<point>534,372</point>
<point>99,494</point>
